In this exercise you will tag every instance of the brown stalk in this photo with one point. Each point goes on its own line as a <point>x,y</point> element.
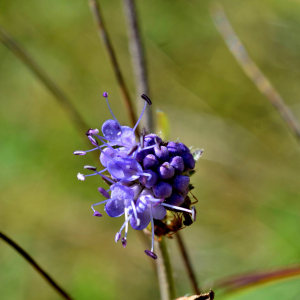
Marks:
<point>187,263</point>
<point>35,265</point>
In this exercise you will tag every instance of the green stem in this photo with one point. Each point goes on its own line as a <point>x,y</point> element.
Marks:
<point>164,271</point>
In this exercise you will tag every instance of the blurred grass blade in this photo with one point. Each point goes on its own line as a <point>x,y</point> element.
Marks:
<point>64,101</point>
<point>162,124</point>
<point>35,265</point>
<point>251,280</point>
<point>251,69</point>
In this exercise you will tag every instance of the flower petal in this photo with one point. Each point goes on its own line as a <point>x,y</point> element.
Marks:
<point>115,208</point>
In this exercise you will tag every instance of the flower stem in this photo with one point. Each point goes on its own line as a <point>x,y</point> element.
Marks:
<point>35,266</point>
<point>138,60</point>
<point>164,271</point>
<point>188,265</point>
<point>103,34</point>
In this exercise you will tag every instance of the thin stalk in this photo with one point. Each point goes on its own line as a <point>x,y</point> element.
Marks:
<point>138,60</point>
<point>164,271</point>
<point>252,71</point>
<point>188,264</point>
<point>103,34</point>
<point>63,100</point>
<point>35,265</point>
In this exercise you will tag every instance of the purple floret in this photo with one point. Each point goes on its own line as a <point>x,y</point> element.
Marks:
<point>175,199</point>
<point>149,140</point>
<point>183,147</point>
<point>150,162</point>
<point>181,183</point>
<point>166,171</point>
<point>177,163</point>
<point>189,162</point>
<point>162,190</point>
<point>161,153</point>
<point>142,153</point>
<point>173,148</point>
<point>147,181</point>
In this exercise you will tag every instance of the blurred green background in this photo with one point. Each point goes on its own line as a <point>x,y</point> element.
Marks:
<point>247,181</point>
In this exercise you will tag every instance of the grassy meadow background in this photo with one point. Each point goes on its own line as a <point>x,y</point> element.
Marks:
<point>247,181</point>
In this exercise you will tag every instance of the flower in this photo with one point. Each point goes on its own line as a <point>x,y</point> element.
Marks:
<point>147,178</point>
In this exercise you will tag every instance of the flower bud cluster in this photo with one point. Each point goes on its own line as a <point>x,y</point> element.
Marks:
<point>146,178</point>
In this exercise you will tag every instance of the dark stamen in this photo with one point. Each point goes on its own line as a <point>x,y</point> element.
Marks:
<point>146,98</point>
<point>124,242</point>
<point>151,254</point>
<point>143,133</point>
<point>132,149</point>
<point>103,192</point>
<point>93,140</point>
<point>79,152</point>
<point>92,131</point>
<point>157,142</point>
<point>97,214</point>
<point>92,168</point>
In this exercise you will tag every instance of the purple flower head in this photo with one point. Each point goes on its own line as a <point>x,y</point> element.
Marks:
<point>145,178</point>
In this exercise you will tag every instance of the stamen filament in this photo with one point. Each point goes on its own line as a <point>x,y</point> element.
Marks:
<point>99,204</point>
<point>111,111</point>
<point>177,207</point>
<point>138,121</point>
<point>125,223</point>
<point>138,221</point>
<point>152,228</point>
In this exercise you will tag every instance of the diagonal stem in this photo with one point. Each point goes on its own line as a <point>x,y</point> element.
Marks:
<point>138,60</point>
<point>188,264</point>
<point>35,265</point>
<point>251,69</point>
<point>103,34</point>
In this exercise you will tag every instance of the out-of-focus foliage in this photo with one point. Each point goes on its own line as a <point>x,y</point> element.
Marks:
<point>247,181</point>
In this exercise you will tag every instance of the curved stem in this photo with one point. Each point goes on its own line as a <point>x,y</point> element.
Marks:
<point>188,265</point>
<point>35,265</point>
<point>164,271</point>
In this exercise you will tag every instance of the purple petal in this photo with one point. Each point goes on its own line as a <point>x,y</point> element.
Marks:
<point>115,208</point>
<point>111,130</point>
<point>144,220</point>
